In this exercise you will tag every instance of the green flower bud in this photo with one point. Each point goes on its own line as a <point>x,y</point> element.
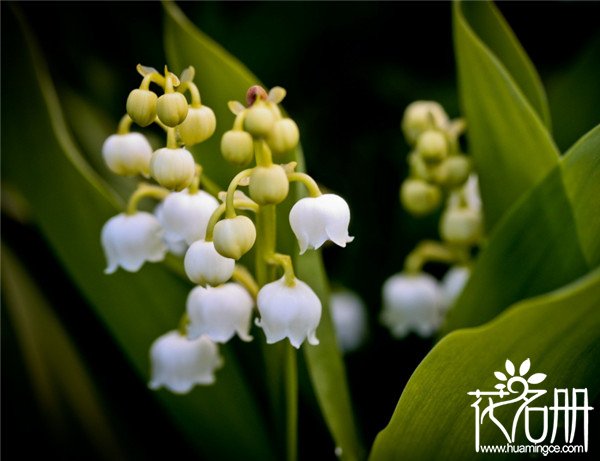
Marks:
<point>432,146</point>
<point>421,116</point>
<point>173,168</point>
<point>237,147</point>
<point>418,197</point>
<point>259,120</point>
<point>284,136</point>
<point>461,226</point>
<point>141,106</point>
<point>453,171</point>
<point>269,185</point>
<point>233,237</point>
<point>172,108</point>
<point>198,126</point>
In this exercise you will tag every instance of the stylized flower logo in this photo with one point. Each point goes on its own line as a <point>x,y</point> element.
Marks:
<point>535,378</point>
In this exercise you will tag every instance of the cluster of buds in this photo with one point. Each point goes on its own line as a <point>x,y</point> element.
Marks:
<point>212,229</point>
<point>438,173</point>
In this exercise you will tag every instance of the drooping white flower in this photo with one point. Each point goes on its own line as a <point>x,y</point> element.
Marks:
<point>185,215</point>
<point>130,240</point>
<point>453,283</point>
<point>179,363</point>
<point>220,312</point>
<point>349,319</point>
<point>292,312</point>
<point>411,302</point>
<point>127,154</point>
<point>317,219</point>
<point>205,266</point>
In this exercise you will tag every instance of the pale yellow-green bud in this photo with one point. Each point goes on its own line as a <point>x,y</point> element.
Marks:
<point>141,106</point>
<point>421,116</point>
<point>284,136</point>
<point>237,147</point>
<point>418,197</point>
<point>259,120</point>
<point>198,126</point>
<point>269,185</point>
<point>233,237</point>
<point>432,146</point>
<point>461,226</point>
<point>172,108</point>
<point>173,168</point>
<point>453,171</point>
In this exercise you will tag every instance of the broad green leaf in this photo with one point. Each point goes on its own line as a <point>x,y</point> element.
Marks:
<point>512,148</point>
<point>221,78</point>
<point>70,210</point>
<point>492,29</point>
<point>560,334</point>
<point>58,375</point>
<point>547,240</point>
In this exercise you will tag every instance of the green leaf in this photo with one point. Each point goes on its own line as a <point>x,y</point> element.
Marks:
<point>221,78</point>
<point>559,332</point>
<point>40,158</point>
<point>547,240</point>
<point>504,107</point>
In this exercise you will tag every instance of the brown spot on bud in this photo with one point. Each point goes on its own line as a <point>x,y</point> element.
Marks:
<point>255,92</point>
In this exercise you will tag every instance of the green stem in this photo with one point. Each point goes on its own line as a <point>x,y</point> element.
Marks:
<point>291,400</point>
<point>145,190</point>
<point>171,138</point>
<point>311,185</point>
<point>430,251</point>
<point>285,262</point>
<point>194,187</point>
<point>265,257</point>
<point>124,124</point>
<point>262,153</point>
<point>214,218</point>
<point>243,276</point>
<point>231,191</point>
<point>194,93</point>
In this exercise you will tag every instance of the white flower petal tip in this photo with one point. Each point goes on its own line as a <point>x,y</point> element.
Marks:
<point>315,220</point>
<point>453,284</point>
<point>205,266</point>
<point>349,319</point>
<point>131,240</point>
<point>185,215</point>
<point>292,312</point>
<point>412,303</point>
<point>220,312</point>
<point>178,363</point>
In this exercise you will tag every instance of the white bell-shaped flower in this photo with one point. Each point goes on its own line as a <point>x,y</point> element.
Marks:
<point>453,284</point>
<point>175,244</point>
<point>349,316</point>
<point>220,312</point>
<point>411,302</point>
<point>292,312</point>
<point>130,240</point>
<point>179,363</point>
<point>127,154</point>
<point>317,219</point>
<point>185,215</point>
<point>205,266</point>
